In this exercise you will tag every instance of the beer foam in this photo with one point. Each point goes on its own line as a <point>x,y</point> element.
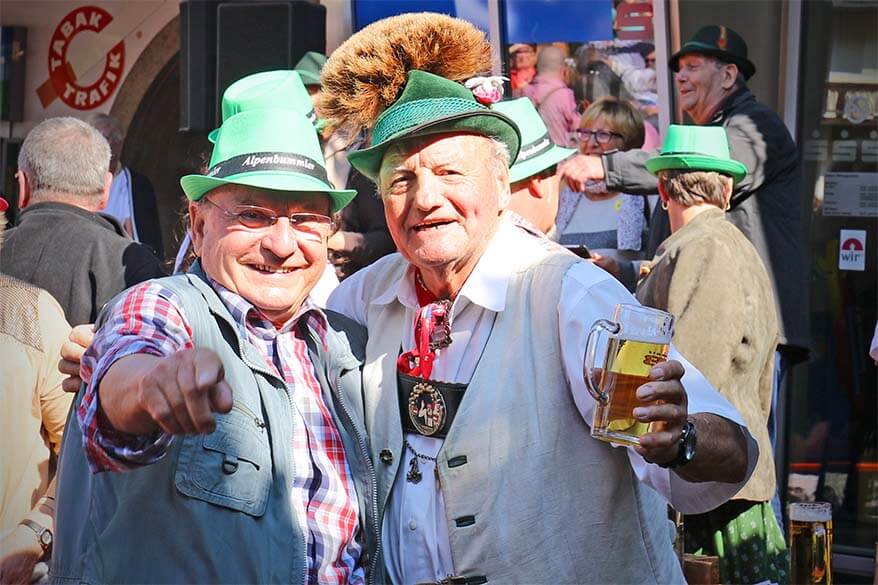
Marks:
<point>811,512</point>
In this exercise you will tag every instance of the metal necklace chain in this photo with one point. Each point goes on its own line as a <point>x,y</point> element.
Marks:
<point>414,474</point>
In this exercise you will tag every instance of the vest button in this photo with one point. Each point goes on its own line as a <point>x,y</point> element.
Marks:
<point>386,456</point>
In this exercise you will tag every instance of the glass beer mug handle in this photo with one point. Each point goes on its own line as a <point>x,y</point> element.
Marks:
<point>588,363</point>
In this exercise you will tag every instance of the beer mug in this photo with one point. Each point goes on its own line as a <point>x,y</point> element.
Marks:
<point>639,338</point>
<point>810,543</point>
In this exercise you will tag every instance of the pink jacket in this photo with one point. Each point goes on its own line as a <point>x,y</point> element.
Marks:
<point>555,103</point>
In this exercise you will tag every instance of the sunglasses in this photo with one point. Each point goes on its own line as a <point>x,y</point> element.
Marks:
<point>310,226</point>
<point>601,136</point>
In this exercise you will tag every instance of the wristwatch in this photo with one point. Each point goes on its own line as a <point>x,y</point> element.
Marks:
<point>686,447</point>
<point>44,535</point>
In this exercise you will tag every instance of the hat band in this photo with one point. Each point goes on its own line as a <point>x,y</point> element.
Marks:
<point>269,161</point>
<point>401,117</point>
<point>535,148</point>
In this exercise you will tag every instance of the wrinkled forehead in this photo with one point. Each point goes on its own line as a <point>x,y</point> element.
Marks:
<point>280,201</point>
<point>441,148</point>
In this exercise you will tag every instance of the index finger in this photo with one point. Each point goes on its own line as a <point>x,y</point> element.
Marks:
<point>667,370</point>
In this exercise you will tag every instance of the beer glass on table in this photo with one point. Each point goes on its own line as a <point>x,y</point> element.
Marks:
<point>810,543</point>
<point>639,338</point>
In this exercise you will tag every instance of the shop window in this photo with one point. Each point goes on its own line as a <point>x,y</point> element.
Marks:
<point>832,443</point>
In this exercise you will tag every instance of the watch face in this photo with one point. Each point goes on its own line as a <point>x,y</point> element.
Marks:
<point>46,538</point>
<point>689,443</point>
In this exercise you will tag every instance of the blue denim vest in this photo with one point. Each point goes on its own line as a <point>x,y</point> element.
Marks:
<point>215,508</point>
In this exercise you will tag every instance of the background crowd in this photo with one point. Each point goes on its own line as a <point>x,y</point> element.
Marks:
<point>712,239</point>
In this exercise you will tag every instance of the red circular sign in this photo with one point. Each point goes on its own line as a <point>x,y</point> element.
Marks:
<point>84,18</point>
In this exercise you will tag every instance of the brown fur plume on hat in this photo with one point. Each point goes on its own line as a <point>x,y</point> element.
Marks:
<point>367,73</point>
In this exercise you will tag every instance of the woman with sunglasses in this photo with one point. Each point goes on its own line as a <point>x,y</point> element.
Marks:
<point>611,224</point>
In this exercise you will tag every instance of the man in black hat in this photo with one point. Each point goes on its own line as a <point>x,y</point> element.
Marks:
<point>711,72</point>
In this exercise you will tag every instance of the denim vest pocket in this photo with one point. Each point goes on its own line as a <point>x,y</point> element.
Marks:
<point>230,467</point>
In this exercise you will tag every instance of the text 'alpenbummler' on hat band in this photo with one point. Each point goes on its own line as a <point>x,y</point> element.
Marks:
<point>269,161</point>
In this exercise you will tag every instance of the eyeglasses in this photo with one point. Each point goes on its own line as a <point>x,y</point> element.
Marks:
<point>310,226</point>
<point>601,136</point>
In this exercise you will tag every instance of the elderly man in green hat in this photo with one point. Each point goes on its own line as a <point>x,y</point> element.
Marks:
<point>708,272</point>
<point>711,71</point>
<point>220,436</point>
<point>473,389</point>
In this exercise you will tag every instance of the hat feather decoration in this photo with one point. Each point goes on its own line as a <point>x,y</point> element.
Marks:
<point>368,72</point>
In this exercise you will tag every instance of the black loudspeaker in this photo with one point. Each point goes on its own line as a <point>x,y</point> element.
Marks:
<point>262,36</point>
<point>197,64</point>
<point>221,42</point>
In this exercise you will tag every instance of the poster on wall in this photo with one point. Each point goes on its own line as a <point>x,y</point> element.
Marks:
<point>850,194</point>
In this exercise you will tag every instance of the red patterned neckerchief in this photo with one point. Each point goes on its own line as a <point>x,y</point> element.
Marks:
<point>432,332</point>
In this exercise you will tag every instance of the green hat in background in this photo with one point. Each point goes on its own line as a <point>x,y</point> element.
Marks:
<point>537,152</point>
<point>282,89</point>
<point>268,149</point>
<point>697,148</point>
<point>429,105</point>
<point>720,42</point>
<point>310,66</point>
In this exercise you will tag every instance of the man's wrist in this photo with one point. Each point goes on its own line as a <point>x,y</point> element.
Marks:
<point>685,447</point>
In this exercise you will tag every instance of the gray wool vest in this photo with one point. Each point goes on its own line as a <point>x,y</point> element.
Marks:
<point>530,496</point>
<point>216,508</point>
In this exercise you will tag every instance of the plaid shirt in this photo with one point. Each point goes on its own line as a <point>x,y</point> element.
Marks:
<point>149,320</point>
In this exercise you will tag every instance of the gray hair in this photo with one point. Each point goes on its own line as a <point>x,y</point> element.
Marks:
<point>690,188</point>
<point>64,156</point>
<point>740,79</point>
<point>109,127</point>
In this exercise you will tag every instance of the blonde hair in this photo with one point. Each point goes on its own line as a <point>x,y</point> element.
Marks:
<point>690,188</point>
<point>622,118</point>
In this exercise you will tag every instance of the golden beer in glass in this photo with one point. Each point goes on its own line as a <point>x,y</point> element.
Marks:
<point>810,543</point>
<point>639,338</point>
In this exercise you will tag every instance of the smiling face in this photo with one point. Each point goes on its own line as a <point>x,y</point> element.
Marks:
<point>443,197</point>
<point>273,268</point>
<point>703,83</point>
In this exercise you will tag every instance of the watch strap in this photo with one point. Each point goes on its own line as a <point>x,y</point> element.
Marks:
<point>45,543</point>
<point>687,434</point>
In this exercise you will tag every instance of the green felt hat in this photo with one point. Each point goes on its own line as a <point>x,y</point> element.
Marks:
<point>310,66</point>
<point>720,42</point>
<point>697,148</point>
<point>268,149</point>
<point>429,105</point>
<point>537,152</point>
<point>282,89</point>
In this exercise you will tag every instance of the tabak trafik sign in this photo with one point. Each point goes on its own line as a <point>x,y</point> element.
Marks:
<point>63,83</point>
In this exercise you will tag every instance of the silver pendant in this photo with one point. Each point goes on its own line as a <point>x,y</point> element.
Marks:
<point>414,475</point>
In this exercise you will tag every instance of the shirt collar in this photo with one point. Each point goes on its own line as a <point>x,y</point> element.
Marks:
<point>487,284</point>
<point>252,320</point>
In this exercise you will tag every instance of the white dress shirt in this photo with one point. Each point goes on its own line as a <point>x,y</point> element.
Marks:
<point>415,532</point>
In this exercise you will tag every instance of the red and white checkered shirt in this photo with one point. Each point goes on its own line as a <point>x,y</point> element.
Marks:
<point>149,320</point>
